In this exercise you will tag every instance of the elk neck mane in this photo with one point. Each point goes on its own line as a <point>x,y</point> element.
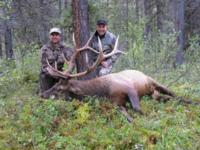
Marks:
<point>96,86</point>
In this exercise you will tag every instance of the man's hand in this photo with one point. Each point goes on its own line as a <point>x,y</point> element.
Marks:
<point>104,64</point>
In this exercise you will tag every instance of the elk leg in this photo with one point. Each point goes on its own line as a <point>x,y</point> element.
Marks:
<point>124,112</point>
<point>135,103</point>
<point>161,98</point>
<point>120,101</point>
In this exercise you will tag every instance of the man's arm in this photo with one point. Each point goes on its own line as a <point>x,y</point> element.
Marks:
<point>45,55</point>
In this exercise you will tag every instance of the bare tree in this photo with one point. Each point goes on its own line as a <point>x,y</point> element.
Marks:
<point>1,31</point>
<point>66,3</point>
<point>124,21</point>
<point>137,10</point>
<point>8,41</point>
<point>159,14</point>
<point>148,12</point>
<point>8,31</point>
<point>179,7</point>
<point>192,18</point>
<point>1,51</point>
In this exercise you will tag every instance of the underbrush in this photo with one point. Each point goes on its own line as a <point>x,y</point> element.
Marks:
<point>28,122</point>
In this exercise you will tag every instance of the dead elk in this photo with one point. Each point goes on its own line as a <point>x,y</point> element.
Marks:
<point>127,85</point>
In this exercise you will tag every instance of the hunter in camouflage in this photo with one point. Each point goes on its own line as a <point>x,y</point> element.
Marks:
<point>108,41</point>
<point>53,51</point>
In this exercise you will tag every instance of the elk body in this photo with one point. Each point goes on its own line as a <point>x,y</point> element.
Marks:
<point>119,88</point>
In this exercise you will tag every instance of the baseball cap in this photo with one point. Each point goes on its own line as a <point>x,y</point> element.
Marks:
<point>55,30</point>
<point>102,21</point>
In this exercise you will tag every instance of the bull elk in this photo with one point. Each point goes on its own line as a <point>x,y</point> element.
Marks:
<point>127,85</point>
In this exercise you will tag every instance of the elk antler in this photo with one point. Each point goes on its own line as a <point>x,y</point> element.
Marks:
<point>114,51</point>
<point>101,56</point>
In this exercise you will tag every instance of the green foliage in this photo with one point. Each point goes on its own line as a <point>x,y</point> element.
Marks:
<point>28,122</point>
<point>66,21</point>
<point>21,71</point>
<point>149,54</point>
<point>6,5</point>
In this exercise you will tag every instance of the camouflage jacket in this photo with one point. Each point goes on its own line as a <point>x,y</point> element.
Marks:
<point>108,42</point>
<point>54,53</point>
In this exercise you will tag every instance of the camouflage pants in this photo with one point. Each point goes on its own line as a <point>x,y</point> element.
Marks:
<point>46,82</point>
<point>104,71</point>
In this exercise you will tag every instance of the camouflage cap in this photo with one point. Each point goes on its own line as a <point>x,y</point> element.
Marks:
<point>102,22</point>
<point>55,30</point>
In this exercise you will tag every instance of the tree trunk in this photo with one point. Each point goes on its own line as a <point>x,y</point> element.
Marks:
<point>60,7</point>
<point>60,11</point>
<point>127,13</point>
<point>8,32</point>
<point>107,7</point>
<point>127,20</point>
<point>8,41</point>
<point>43,29</point>
<point>148,15</point>
<point>66,3</point>
<point>159,14</point>
<point>81,30</point>
<point>137,10</point>
<point>1,51</point>
<point>180,27</point>
<point>192,18</point>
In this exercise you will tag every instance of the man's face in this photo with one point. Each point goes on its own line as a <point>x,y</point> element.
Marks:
<point>101,29</point>
<point>55,38</point>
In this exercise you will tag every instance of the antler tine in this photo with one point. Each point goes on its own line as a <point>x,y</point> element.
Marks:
<point>74,41</point>
<point>66,61</point>
<point>100,45</point>
<point>88,42</point>
<point>86,46</point>
<point>55,65</point>
<point>116,43</point>
<point>115,50</point>
<point>100,56</point>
